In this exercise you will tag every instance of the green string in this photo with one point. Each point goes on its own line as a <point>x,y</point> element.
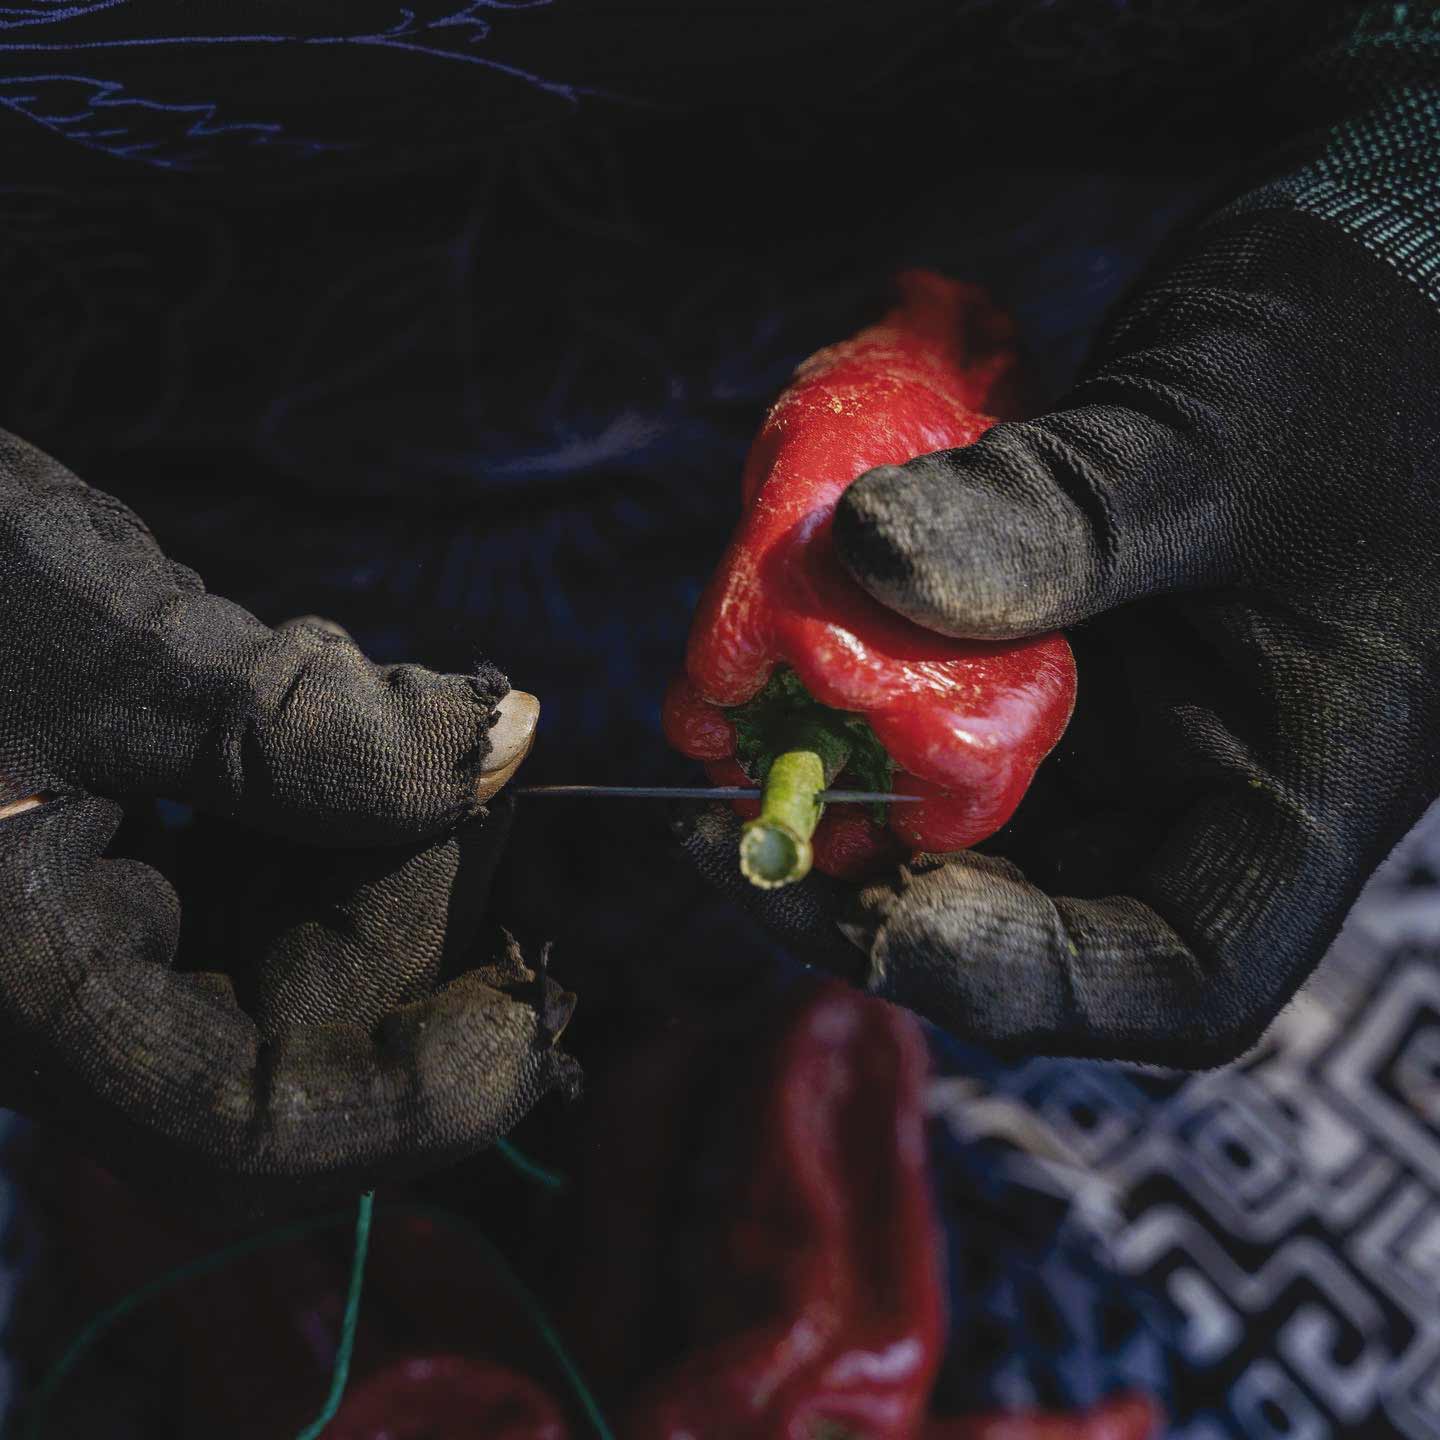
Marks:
<point>531,1169</point>
<point>532,1307</point>
<point>99,1324</point>
<point>340,1375</point>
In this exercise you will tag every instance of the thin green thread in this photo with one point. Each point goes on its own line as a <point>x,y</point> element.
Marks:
<point>97,1325</point>
<point>532,1307</point>
<point>531,1169</point>
<point>340,1374</point>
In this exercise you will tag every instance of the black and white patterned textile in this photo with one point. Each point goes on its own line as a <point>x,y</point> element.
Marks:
<point>1281,1216</point>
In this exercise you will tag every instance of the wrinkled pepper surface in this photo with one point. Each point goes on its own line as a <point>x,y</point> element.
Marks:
<point>821,1308</point>
<point>449,1397</point>
<point>795,676</point>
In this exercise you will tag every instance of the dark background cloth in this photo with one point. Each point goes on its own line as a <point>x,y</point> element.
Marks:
<point>453,248</point>
<point>314,89</point>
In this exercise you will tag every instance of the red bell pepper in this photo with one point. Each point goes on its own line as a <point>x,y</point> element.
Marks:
<point>448,1397</point>
<point>812,1296</point>
<point>809,1295</point>
<point>796,675</point>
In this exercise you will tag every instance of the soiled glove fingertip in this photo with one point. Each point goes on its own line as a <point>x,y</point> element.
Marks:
<point>967,943</point>
<point>490,684</point>
<point>341,750</point>
<point>568,1079</point>
<point>480,1060</point>
<point>871,526</point>
<point>980,542</point>
<point>927,549</point>
<point>803,917</point>
<point>862,922</point>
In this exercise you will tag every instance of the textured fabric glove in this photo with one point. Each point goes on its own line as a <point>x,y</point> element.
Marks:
<point>1238,511</point>
<point>121,678</point>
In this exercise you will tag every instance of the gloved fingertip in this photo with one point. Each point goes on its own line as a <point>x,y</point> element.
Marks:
<point>871,527</point>
<point>511,738</point>
<point>557,1009</point>
<point>316,622</point>
<point>553,1005</point>
<point>489,683</point>
<point>342,751</point>
<point>860,923</point>
<point>977,543</point>
<point>10,809</point>
<point>76,825</point>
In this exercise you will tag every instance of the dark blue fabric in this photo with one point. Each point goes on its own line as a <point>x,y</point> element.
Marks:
<point>316,88</point>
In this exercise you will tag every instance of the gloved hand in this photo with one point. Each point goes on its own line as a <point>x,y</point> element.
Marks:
<point>1238,509</point>
<point>123,679</point>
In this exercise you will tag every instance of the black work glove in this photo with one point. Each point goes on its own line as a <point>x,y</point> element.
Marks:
<point>1238,509</point>
<point>120,678</point>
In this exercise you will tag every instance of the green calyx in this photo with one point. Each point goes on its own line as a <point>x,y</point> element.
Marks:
<point>796,747</point>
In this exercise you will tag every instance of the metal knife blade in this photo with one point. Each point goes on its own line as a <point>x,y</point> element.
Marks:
<point>698,792</point>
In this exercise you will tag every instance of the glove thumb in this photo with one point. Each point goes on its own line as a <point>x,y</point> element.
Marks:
<point>1042,523</point>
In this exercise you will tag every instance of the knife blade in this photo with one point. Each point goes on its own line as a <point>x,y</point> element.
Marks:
<point>698,792</point>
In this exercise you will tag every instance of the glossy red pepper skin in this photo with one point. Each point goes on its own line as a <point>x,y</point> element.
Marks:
<point>822,1309</point>
<point>448,1397</point>
<point>966,722</point>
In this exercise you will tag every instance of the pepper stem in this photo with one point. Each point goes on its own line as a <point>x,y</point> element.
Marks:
<point>775,846</point>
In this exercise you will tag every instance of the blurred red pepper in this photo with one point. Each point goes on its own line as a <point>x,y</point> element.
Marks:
<point>784,638</point>
<point>802,1183</point>
<point>820,1311</point>
<point>448,1397</point>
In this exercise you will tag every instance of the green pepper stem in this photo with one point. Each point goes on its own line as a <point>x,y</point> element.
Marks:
<point>775,846</point>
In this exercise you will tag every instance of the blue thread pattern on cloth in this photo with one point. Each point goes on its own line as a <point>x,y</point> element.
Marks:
<point>111,114</point>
